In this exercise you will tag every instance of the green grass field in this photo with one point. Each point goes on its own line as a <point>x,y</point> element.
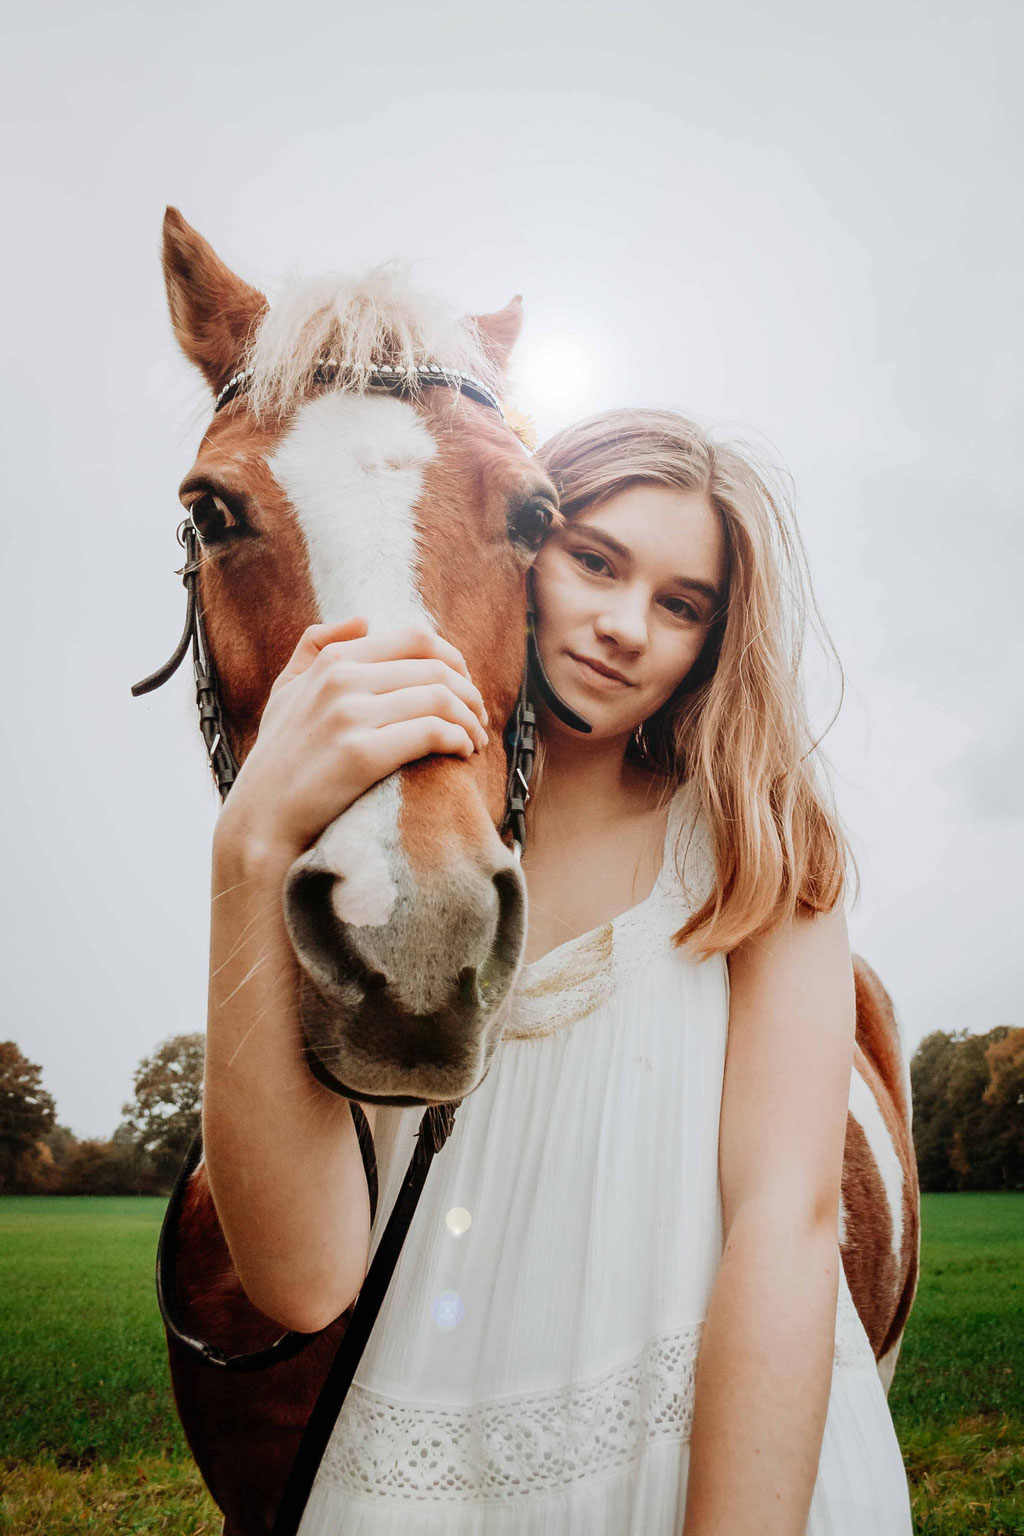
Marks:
<point>89,1441</point>
<point>957,1399</point>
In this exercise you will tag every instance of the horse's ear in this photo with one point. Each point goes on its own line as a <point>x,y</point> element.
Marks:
<point>500,332</point>
<point>213,311</point>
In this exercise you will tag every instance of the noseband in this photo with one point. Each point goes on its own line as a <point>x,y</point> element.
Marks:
<point>520,732</point>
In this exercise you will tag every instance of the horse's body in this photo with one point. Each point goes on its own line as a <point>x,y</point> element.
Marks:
<point>407,916</point>
<point>879,1209</point>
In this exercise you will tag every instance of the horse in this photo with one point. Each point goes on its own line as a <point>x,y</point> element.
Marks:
<point>321,492</point>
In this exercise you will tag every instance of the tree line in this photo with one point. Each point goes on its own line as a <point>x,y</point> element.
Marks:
<point>38,1156</point>
<point>968,1120</point>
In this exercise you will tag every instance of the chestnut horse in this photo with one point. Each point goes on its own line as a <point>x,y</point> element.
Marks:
<point>316,498</point>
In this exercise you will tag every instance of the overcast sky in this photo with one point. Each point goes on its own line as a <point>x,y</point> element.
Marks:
<point>796,221</point>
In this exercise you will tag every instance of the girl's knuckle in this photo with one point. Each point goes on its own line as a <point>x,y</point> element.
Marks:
<point>340,673</point>
<point>360,751</point>
<point>342,711</point>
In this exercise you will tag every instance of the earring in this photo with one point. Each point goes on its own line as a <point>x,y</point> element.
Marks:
<point>641,743</point>
<point>644,748</point>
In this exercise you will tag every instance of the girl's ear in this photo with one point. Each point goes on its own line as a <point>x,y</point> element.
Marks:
<point>500,332</point>
<point>213,312</point>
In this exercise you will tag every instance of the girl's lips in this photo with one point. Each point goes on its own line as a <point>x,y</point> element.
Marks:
<point>595,675</point>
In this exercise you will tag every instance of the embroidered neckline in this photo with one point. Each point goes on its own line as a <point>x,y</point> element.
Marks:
<point>571,981</point>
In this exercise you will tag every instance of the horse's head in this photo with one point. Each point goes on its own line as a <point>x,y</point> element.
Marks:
<point>320,494</point>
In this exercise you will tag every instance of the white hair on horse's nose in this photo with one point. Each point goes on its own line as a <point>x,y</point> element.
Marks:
<point>352,468</point>
<point>361,848</point>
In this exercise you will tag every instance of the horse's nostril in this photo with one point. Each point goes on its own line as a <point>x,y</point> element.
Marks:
<point>469,992</point>
<point>509,934</point>
<point>320,940</point>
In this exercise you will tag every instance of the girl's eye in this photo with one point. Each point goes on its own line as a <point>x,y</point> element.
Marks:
<point>685,610</point>
<point>582,555</point>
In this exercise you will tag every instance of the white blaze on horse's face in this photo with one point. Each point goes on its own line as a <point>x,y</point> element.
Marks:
<point>352,468</point>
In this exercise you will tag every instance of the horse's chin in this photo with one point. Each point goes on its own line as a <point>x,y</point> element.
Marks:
<point>374,1051</point>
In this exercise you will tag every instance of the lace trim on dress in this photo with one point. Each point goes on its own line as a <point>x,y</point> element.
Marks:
<point>536,1442</point>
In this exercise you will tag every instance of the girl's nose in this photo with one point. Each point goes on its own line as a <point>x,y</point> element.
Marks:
<point>624,622</point>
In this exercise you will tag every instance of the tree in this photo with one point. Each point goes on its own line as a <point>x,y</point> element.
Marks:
<point>968,1096</point>
<point>930,1070</point>
<point>164,1116</point>
<point>27,1113</point>
<point>41,1172</point>
<point>1005,1093</point>
<point>114,1167</point>
<point>974,1156</point>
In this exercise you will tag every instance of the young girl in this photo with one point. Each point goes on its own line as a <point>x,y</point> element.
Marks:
<point>620,1309</point>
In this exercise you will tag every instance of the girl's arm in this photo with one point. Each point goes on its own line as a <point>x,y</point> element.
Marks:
<point>765,1364</point>
<point>282,1155</point>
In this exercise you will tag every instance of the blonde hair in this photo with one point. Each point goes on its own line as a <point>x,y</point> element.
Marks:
<point>737,727</point>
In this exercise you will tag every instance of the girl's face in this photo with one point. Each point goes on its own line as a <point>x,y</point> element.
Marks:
<point>633,585</point>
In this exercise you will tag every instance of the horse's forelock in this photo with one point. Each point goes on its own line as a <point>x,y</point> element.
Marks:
<point>362,321</point>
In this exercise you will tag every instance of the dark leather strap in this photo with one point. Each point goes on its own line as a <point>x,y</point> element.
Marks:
<point>168,1247</point>
<point>223,763</point>
<point>434,1131</point>
<point>535,668</point>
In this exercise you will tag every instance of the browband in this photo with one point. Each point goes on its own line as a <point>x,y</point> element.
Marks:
<point>388,376</point>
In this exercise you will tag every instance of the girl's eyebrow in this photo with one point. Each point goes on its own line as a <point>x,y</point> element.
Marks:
<point>693,582</point>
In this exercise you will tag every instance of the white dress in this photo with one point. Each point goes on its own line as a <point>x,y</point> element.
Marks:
<point>531,1374</point>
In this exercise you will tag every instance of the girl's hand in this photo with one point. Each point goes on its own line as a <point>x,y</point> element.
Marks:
<point>348,709</point>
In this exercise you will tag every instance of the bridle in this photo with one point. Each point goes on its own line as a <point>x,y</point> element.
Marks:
<point>519,736</point>
<point>520,746</point>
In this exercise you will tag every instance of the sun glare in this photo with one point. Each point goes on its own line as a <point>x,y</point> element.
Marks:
<point>558,377</point>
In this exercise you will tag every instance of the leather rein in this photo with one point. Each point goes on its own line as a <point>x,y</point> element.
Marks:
<point>436,1126</point>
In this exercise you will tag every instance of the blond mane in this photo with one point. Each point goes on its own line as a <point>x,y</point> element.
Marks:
<point>362,321</point>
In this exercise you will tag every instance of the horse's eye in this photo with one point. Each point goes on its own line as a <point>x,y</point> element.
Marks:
<point>529,523</point>
<point>213,519</point>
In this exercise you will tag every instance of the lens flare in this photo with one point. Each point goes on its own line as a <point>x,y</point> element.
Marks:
<point>448,1310</point>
